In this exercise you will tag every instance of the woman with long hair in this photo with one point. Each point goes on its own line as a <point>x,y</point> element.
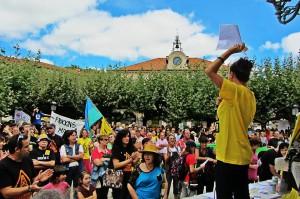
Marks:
<point>124,156</point>
<point>71,155</point>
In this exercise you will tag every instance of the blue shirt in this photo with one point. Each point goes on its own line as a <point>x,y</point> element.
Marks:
<point>38,118</point>
<point>148,184</point>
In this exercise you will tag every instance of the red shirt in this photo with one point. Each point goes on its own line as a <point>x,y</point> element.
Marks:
<point>97,154</point>
<point>190,160</point>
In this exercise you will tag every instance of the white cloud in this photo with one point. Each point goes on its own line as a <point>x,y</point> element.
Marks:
<point>291,43</point>
<point>270,46</point>
<point>47,61</point>
<point>127,37</point>
<point>18,18</point>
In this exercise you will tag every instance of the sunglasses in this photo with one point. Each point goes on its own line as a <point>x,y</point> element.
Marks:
<point>105,139</point>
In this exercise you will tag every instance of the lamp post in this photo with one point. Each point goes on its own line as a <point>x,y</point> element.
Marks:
<point>285,13</point>
<point>295,109</point>
<point>53,106</point>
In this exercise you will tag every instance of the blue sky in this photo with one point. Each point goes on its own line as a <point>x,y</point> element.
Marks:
<point>96,33</point>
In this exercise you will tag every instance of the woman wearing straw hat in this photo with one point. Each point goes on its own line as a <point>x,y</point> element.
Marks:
<point>146,181</point>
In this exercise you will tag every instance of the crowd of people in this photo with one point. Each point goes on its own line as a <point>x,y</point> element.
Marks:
<point>152,159</point>
<point>142,163</point>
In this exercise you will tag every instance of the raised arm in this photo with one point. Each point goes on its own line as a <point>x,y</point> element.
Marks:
<point>213,68</point>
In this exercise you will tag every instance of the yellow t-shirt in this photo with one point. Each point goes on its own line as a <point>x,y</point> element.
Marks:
<point>85,142</point>
<point>235,112</point>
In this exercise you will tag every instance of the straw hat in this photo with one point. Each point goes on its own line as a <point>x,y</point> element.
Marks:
<point>149,147</point>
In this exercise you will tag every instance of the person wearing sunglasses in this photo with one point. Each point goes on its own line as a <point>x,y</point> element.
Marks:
<point>100,157</point>
<point>17,171</point>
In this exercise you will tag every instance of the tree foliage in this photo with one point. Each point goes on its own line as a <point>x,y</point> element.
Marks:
<point>171,95</point>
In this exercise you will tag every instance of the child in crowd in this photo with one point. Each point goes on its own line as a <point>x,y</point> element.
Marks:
<point>57,181</point>
<point>85,189</point>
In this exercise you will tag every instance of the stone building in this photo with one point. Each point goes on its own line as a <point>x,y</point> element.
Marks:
<point>175,61</point>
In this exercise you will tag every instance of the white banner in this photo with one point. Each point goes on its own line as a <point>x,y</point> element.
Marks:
<point>21,116</point>
<point>63,123</point>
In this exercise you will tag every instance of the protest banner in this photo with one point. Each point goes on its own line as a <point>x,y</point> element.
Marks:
<point>21,116</point>
<point>63,123</point>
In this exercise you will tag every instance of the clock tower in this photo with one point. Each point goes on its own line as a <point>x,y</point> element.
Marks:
<point>177,60</point>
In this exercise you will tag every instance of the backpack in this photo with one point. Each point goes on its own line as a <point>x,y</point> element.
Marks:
<point>183,168</point>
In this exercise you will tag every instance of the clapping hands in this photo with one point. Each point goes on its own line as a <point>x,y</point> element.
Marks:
<point>44,175</point>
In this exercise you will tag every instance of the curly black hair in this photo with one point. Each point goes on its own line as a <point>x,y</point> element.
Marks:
<point>242,69</point>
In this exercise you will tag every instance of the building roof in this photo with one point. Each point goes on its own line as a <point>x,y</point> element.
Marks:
<point>159,64</point>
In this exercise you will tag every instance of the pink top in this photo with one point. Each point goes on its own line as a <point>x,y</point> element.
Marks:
<point>60,187</point>
<point>252,172</point>
<point>164,142</point>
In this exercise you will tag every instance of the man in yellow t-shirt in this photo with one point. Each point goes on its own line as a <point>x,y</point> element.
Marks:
<point>235,112</point>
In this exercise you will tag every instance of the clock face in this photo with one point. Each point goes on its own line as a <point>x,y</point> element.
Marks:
<point>177,61</point>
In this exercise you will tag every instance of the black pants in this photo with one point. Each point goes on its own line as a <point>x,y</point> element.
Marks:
<point>122,193</point>
<point>73,176</point>
<point>232,180</point>
<point>103,191</point>
<point>205,181</point>
<point>175,180</point>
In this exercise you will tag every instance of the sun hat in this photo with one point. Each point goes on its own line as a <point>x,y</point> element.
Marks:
<point>149,147</point>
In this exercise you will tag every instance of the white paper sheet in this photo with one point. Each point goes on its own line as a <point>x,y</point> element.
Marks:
<point>229,36</point>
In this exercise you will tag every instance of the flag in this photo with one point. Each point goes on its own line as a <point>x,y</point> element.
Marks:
<point>296,131</point>
<point>105,127</point>
<point>91,113</point>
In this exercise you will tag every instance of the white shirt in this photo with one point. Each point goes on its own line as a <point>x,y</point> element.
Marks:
<point>174,149</point>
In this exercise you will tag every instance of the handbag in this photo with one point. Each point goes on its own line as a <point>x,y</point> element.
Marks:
<point>113,178</point>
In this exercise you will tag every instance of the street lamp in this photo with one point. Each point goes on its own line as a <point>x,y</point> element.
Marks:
<point>53,106</point>
<point>295,109</point>
<point>285,13</point>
